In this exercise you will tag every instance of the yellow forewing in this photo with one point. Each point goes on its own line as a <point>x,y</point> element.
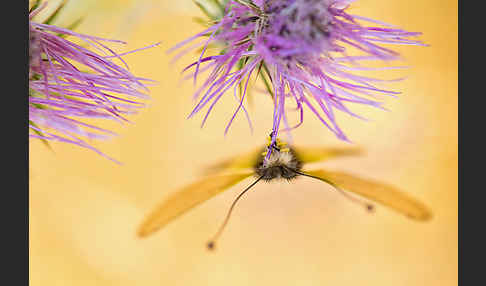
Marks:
<point>242,161</point>
<point>316,154</point>
<point>376,191</point>
<point>305,154</point>
<point>187,198</point>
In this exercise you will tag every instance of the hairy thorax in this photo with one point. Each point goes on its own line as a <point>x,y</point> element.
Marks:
<point>282,164</point>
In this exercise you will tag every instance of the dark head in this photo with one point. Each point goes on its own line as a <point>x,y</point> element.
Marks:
<point>282,162</point>
<point>210,245</point>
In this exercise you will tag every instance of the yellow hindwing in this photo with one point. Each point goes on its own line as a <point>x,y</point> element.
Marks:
<point>380,192</point>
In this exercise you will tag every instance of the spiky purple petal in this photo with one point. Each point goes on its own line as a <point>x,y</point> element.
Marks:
<point>74,79</point>
<point>303,46</point>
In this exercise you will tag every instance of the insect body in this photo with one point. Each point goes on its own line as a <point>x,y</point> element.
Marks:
<point>284,162</point>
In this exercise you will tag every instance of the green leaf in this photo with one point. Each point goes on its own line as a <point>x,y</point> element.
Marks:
<point>54,15</point>
<point>219,5</point>
<point>75,24</point>
<point>37,105</point>
<point>201,21</point>
<point>35,76</point>
<point>240,66</point>
<point>223,51</point>
<point>241,63</point>
<point>46,143</point>
<point>204,10</point>
<point>208,48</point>
<point>267,82</point>
<point>249,4</point>
<point>35,5</point>
<point>249,94</point>
<point>72,27</point>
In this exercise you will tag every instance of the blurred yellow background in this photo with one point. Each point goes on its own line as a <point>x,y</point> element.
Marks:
<point>84,209</point>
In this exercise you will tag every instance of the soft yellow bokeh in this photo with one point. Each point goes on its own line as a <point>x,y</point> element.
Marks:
<point>84,209</point>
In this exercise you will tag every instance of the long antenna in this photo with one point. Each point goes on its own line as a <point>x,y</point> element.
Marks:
<point>369,207</point>
<point>212,242</point>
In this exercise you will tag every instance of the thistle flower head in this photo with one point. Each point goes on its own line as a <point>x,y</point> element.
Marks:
<point>75,78</point>
<point>299,49</point>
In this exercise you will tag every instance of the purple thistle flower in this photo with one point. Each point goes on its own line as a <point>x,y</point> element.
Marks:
<point>70,81</point>
<point>299,49</point>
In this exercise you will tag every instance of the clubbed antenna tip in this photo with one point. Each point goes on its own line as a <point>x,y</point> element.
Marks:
<point>210,245</point>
